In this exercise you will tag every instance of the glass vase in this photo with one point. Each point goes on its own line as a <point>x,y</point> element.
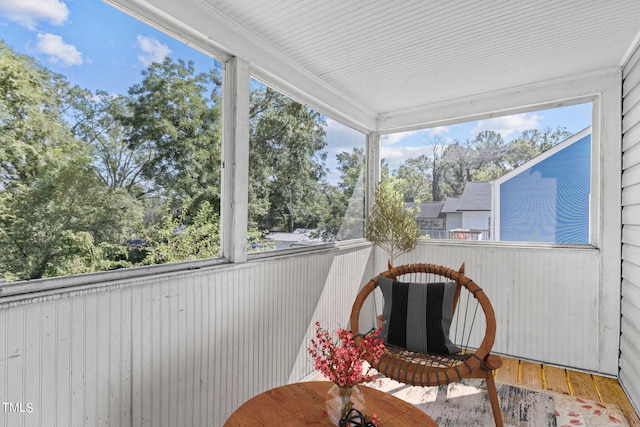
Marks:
<point>340,400</point>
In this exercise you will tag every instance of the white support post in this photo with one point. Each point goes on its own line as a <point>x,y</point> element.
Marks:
<point>373,168</point>
<point>235,160</point>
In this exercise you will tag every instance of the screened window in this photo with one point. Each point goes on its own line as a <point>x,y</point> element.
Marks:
<point>305,175</point>
<point>524,177</point>
<point>110,144</point>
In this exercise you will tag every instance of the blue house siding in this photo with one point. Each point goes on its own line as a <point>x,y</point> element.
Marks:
<point>549,202</point>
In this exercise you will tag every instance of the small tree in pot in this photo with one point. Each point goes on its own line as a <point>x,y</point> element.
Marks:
<point>390,225</point>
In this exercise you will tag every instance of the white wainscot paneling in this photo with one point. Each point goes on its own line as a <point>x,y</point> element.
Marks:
<point>178,349</point>
<point>546,300</point>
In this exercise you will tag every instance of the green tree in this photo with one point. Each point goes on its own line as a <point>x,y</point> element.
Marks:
<point>98,123</point>
<point>343,217</point>
<point>488,156</point>
<point>62,223</point>
<point>179,242</point>
<point>531,143</point>
<point>56,216</point>
<point>390,224</point>
<point>32,134</point>
<point>415,178</point>
<point>459,160</point>
<point>173,124</point>
<point>286,163</point>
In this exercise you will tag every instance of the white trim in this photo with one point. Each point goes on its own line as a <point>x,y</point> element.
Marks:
<point>635,44</point>
<point>27,288</point>
<point>164,22</point>
<point>218,35</point>
<point>235,160</point>
<point>495,212</point>
<point>558,93</point>
<point>373,169</point>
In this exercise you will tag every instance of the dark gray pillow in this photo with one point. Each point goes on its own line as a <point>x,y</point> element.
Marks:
<point>418,315</point>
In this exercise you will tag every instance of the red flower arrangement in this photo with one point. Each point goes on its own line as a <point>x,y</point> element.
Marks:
<point>342,360</point>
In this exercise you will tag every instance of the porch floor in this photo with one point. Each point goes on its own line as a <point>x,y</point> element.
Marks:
<point>573,383</point>
<point>560,380</point>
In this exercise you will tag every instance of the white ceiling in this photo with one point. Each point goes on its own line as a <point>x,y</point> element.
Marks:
<point>392,55</point>
<point>366,59</point>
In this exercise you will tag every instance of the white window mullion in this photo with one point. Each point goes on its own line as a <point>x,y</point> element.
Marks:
<point>235,160</point>
<point>373,168</point>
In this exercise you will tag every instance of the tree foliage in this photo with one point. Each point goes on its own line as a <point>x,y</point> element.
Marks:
<point>93,181</point>
<point>173,121</point>
<point>449,166</point>
<point>390,224</point>
<point>287,162</point>
<point>178,242</point>
<point>343,216</point>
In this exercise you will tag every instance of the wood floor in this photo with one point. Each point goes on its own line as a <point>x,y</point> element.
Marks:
<point>579,384</point>
<point>565,381</point>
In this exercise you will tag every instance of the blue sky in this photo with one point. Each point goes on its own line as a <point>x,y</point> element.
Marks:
<point>99,47</point>
<point>95,45</point>
<point>395,148</point>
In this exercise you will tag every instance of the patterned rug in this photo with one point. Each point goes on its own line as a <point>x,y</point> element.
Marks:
<point>467,404</point>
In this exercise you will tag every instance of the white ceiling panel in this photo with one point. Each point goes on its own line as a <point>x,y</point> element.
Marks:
<point>378,57</point>
<point>393,55</point>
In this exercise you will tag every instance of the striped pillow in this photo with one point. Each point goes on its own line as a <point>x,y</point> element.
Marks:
<point>418,315</point>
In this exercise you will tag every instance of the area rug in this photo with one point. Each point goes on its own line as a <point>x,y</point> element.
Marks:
<point>467,404</point>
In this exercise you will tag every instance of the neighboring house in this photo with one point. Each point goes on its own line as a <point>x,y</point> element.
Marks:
<point>298,237</point>
<point>453,216</point>
<point>475,209</point>
<point>547,199</point>
<point>466,217</point>
<point>430,219</point>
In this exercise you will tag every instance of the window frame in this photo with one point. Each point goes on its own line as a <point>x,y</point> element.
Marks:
<point>539,108</point>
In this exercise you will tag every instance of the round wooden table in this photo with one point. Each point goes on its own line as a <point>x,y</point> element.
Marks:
<point>303,404</point>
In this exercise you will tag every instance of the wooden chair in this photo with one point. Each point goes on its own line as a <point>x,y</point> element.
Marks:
<point>469,332</point>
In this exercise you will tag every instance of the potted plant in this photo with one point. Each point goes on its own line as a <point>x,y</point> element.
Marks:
<point>390,225</point>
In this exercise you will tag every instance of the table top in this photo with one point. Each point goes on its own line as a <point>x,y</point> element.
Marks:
<point>303,404</point>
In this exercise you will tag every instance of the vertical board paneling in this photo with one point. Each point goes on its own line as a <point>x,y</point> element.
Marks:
<point>63,354</point>
<point>15,366</point>
<point>541,297</point>
<point>184,349</point>
<point>33,343</point>
<point>49,342</point>
<point>64,360</point>
<point>187,349</point>
<point>630,310</point>
<point>77,345</point>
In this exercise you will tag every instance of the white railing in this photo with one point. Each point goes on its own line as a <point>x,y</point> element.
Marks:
<point>468,234</point>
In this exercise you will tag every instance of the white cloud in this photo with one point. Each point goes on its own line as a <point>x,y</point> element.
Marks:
<point>151,50</point>
<point>507,125</point>
<point>57,50</point>
<point>28,12</point>
<point>395,156</point>
<point>394,138</point>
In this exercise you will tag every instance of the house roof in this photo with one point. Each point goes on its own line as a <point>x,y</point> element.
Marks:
<point>429,210</point>
<point>451,205</point>
<point>374,60</point>
<point>476,197</point>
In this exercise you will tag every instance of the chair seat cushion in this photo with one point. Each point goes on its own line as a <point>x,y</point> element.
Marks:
<point>418,315</point>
